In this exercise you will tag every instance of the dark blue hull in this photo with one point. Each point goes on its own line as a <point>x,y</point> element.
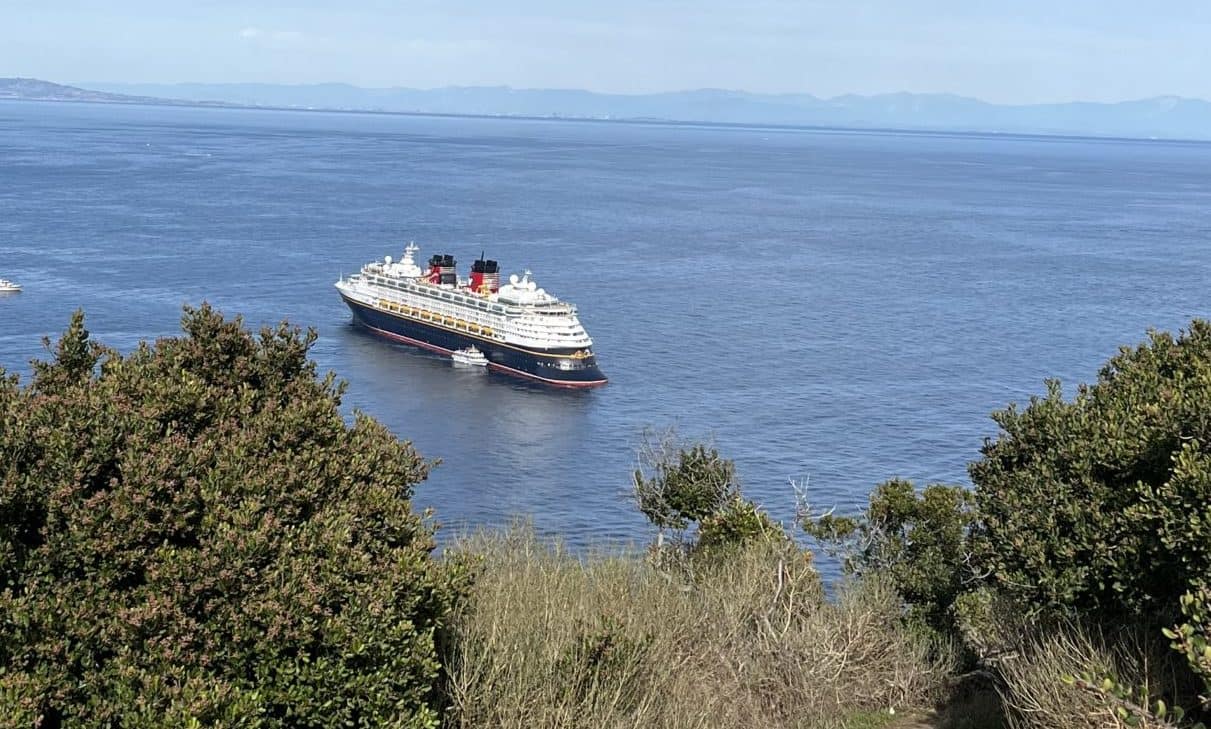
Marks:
<point>548,366</point>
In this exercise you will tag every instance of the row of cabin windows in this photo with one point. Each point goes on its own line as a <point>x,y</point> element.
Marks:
<point>524,328</point>
<point>449,296</point>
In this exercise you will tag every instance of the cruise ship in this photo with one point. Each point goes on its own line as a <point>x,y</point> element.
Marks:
<point>519,328</point>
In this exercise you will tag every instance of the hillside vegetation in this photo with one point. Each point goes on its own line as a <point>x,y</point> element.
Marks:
<point>193,535</point>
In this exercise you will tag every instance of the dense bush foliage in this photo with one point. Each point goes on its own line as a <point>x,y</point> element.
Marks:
<point>738,521</point>
<point>679,486</point>
<point>1192,639</point>
<point>1103,503</point>
<point>916,540</point>
<point>1088,528</point>
<point>192,533</point>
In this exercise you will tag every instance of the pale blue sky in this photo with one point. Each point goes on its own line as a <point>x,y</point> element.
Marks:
<point>1009,51</point>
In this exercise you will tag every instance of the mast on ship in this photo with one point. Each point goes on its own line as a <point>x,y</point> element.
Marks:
<point>408,251</point>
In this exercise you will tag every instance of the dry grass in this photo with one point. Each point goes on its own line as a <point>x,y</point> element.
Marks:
<point>551,640</point>
<point>1040,692</point>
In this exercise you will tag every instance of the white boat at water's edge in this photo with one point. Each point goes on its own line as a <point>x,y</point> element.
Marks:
<point>8,287</point>
<point>469,356</point>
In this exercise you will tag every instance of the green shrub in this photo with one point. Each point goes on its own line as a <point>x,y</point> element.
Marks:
<point>677,486</point>
<point>737,522</point>
<point>989,623</point>
<point>193,534</point>
<point>1192,639</point>
<point>1103,503</point>
<point>680,487</point>
<point>917,541</point>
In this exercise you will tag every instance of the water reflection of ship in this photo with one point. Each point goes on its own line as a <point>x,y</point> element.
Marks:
<point>504,443</point>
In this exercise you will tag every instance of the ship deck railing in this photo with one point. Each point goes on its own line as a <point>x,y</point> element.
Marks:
<point>474,322</point>
<point>447,312</point>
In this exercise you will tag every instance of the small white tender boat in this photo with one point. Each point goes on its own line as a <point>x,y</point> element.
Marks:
<point>7,286</point>
<point>469,356</point>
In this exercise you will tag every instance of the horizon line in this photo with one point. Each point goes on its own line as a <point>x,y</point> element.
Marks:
<point>716,89</point>
<point>915,131</point>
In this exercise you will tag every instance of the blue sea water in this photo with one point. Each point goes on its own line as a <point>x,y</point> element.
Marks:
<point>831,307</point>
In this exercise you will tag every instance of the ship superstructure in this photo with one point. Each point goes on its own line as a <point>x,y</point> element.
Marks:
<point>520,328</point>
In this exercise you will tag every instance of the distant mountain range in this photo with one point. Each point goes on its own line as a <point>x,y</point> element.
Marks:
<point>33,89</point>
<point>1162,117</point>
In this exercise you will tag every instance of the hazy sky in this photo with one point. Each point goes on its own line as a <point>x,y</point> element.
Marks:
<point>1006,51</point>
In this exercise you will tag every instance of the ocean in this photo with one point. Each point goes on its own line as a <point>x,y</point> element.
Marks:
<point>829,308</point>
